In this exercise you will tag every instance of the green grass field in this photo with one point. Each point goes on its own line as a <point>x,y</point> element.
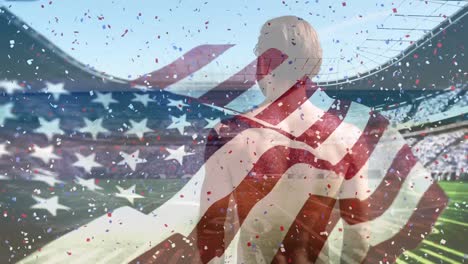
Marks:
<point>448,242</point>
<point>452,227</point>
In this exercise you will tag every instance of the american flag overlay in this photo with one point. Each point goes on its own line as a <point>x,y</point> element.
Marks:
<point>162,169</point>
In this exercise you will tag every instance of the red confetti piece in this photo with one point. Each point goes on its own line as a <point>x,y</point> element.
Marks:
<point>343,4</point>
<point>394,10</point>
<point>282,228</point>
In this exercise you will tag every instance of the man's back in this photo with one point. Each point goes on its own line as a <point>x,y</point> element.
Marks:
<point>288,168</point>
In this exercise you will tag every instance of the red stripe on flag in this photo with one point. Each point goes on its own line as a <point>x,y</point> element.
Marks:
<point>305,240</point>
<point>190,62</point>
<point>287,103</point>
<point>355,211</point>
<point>364,146</point>
<point>330,121</point>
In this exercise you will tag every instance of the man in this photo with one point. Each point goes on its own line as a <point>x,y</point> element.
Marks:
<point>278,179</point>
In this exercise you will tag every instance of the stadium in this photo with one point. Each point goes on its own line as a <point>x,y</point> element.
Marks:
<point>427,103</point>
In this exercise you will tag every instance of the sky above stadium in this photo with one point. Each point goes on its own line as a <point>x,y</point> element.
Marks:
<point>130,38</point>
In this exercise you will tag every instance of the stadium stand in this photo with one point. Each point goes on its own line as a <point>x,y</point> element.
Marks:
<point>433,105</point>
<point>460,101</point>
<point>431,146</point>
<point>452,163</point>
<point>397,115</point>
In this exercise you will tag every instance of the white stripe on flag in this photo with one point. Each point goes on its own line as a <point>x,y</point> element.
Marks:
<point>345,135</point>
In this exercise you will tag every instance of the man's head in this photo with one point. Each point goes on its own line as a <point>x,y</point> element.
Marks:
<point>296,38</point>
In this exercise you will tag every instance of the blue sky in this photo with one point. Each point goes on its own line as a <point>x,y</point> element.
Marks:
<point>81,28</point>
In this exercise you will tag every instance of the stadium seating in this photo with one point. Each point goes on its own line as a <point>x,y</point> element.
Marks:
<point>428,106</point>
<point>433,105</point>
<point>462,101</point>
<point>397,115</point>
<point>431,146</point>
<point>452,162</point>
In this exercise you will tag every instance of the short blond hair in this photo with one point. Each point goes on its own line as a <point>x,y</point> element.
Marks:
<point>295,37</point>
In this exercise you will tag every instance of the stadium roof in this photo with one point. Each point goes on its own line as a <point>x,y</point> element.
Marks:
<point>390,39</point>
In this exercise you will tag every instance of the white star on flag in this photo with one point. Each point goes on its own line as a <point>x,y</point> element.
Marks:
<point>55,89</point>
<point>3,150</point>
<point>5,112</point>
<point>128,194</point>
<point>89,183</point>
<point>93,127</point>
<point>10,86</point>
<point>51,204</point>
<point>49,128</point>
<point>177,103</point>
<point>45,176</point>
<point>179,123</point>
<point>139,128</point>
<point>212,122</point>
<point>45,154</point>
<point>131,159</point>
<point>177,154</point>
<point>104,99</point>
<point>87,163</point>
<point>143,98</point>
